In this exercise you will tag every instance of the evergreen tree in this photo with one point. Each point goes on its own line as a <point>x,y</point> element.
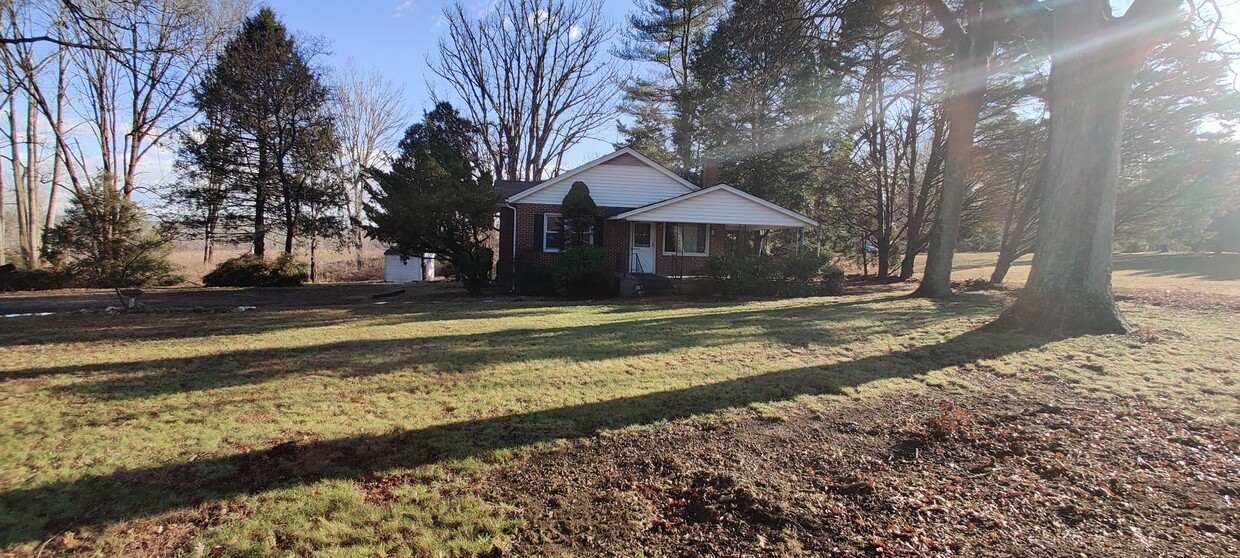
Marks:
<point>266,129</point>
<point>437,197</point>
<point>579,213</point>
<point>766,85</point>
<point>663,35</point>
<point>103,240</point>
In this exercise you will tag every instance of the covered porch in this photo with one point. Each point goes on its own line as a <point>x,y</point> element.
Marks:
<point>676,237</point>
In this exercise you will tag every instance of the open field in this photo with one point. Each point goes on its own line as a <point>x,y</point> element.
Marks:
<point>1204,273</point>
<point>328,424</point>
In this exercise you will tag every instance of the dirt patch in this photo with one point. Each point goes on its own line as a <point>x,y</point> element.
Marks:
<point>1059,475</point>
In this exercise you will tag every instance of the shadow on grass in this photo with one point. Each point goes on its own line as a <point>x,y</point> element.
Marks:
<point>31,514</point>
<point>1221,267</point>
<point>714,326</point>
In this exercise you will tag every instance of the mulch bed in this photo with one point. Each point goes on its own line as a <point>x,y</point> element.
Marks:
<point>999,475</point>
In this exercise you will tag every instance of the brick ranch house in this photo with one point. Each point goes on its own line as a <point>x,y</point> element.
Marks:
<point>651,220</point>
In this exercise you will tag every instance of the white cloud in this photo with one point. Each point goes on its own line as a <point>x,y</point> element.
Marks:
<point>403,9</point>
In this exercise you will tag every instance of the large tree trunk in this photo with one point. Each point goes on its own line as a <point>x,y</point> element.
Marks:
<point>970,69</point>
<point>260,201</point>
<point>1095,58</point>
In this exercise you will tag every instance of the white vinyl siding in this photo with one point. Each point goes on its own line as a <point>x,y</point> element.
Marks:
<point>718,207</point>
<point>397,271</point>
<point>615,185</point>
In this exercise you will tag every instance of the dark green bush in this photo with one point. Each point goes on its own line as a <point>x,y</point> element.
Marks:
<point>582,272</point>
<point>743,275</point>
<point>802,274</point>
<point>40,280</point>
<point>532,279</point>
<point>249,271</point>
<point>104,240</point>
<point>832,279</point>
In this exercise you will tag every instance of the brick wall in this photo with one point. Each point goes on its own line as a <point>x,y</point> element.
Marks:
<point>689,265</point>
<point>615,244</point>
<point>529,221</point>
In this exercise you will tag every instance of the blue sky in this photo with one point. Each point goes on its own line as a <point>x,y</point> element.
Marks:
<point>395,37</point>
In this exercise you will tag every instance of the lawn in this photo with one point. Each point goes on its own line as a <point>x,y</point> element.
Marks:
<point>375,429</point>
<point>1205,273</point>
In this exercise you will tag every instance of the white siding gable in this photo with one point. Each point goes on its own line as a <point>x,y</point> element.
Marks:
<point>719,205</point>
<point>621,182</point>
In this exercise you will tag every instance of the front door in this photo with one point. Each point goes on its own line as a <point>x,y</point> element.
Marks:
<point>642,258</point>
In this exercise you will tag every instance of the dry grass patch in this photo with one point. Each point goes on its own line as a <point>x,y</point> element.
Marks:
<point>364,429</point>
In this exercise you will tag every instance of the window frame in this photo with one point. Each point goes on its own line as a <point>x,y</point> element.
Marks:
<point>546,217</point>
<point>667,227</point>
<point>564,234</point>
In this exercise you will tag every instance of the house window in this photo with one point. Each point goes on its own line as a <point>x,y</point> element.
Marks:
<point>553,232</point>
<point>557,237</point>
<point>689,239</point>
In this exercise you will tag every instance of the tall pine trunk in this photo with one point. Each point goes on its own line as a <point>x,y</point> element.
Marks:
<point>970,70</point>
<point>917,212</point>
<point>260,200</point>
<point>1095,58</point>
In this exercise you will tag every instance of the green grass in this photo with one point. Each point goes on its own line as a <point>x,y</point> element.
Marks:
<point>140,430</point>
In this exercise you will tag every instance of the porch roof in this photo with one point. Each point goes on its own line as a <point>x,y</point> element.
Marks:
<point>722,205</point>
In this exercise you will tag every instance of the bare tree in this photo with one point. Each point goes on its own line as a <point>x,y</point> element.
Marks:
<point>129,66</point>
<point>370,114</point>
<point>21,67</point>
<point>530,75</point>
<point>137,94</point>
<point>64,24</point>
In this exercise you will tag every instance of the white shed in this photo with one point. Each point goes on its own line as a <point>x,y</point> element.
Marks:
<point>396,270</point>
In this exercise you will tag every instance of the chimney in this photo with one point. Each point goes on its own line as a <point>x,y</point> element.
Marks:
<point>710,173</point>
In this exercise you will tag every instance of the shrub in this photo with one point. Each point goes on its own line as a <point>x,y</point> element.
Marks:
<point>530,278</point>
<point>103,240</point>
<point>249,271</point>
<point>801,268</point>
<point>38,280</point>
<point>832,279</point>
<point>742,275</point>
<point>582,272</point>
<point>790,275</point>
<point>579,212</point>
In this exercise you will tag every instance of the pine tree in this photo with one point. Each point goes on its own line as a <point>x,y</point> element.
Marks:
<point>662,35</point>
<point>266,130</point>
<point>437,197</point>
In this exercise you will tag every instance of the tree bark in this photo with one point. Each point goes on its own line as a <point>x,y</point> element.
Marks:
<point>260,200</point>
<point>33,218</point>
<point>970,70</point>
<point>917,212</point>
<point>57,131</point>
<point>1095,59</point>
